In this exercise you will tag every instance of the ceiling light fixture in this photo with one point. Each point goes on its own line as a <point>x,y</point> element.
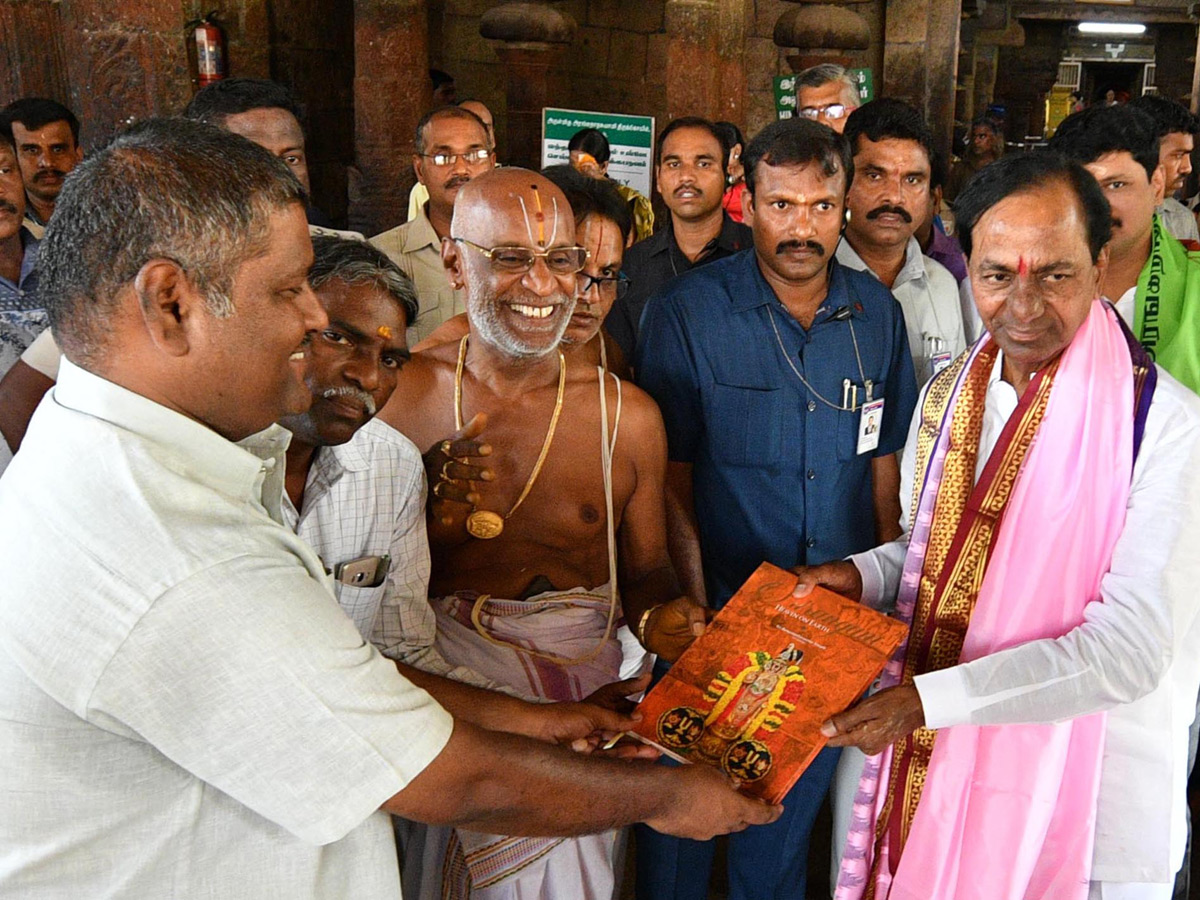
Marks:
<point>1112,28</point>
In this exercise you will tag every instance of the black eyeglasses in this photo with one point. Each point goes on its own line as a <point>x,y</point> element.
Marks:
<point>613,285</point>
<point>559,260</point>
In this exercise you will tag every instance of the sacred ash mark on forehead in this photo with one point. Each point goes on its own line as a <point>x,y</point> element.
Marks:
<point>539,217</point>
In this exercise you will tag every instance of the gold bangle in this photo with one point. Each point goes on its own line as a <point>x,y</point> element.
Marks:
<point>643,621</point>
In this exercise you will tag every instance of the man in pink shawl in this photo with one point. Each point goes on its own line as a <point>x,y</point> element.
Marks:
<point>1030,738</point>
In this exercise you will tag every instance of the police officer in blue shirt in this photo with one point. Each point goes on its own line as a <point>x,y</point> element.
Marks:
<point>786,385</point>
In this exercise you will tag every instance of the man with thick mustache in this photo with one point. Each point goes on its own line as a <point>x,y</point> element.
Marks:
<point>893,149</point>
<point>452,147</point>
<point>770,367</point>
<point>565,533</point>
<point>689,175</point>
<point>46,134</point>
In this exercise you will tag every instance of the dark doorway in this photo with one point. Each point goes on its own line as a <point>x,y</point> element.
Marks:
<point>1122,78</point>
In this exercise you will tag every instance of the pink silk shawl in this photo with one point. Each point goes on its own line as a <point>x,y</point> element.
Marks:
<point>1008,812</point>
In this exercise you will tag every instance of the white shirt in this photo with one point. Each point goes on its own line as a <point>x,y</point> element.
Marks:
<point>929,297</point>
<point>43,355</point>
<point>1137,654</point>
<point>183,709</point>
<point>366,498</point>
<point>1178,220</point>
<point>1127,306</point>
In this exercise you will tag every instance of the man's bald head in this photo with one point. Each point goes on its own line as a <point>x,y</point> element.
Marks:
<point>513,207</point>
<point>516,304</point>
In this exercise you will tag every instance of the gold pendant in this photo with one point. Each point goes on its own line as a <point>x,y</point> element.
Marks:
<point>484,524</point>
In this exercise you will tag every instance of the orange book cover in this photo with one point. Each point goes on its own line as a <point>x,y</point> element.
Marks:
<point>750,695</point>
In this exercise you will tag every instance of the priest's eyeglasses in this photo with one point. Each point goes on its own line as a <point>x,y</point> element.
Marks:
<point>471,157</point>
<point>559,260</point>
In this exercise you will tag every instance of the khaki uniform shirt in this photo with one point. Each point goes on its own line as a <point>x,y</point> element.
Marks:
<point>416,248</point>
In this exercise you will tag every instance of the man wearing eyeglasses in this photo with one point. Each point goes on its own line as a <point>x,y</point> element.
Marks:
<point>603,223</point>
<point>826,94</point>
<point>538,557</point>
<point>452,147</point>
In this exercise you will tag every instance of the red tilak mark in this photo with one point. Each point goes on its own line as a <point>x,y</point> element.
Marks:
<point>1022,267</point>
<point>541,218</point>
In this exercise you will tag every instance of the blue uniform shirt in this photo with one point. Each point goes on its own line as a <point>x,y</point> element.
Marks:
<point>776,472</point>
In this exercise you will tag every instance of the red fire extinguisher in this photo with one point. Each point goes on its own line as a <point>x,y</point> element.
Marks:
<point>210,50</point>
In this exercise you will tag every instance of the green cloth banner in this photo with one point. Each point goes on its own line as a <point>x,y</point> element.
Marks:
<point>1167,309</point>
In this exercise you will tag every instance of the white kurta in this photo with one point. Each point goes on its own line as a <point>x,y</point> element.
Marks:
<point>184,710</point>
<point>1137,653</point>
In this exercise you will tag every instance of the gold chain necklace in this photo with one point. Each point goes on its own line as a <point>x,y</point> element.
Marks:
<point>483,523</point>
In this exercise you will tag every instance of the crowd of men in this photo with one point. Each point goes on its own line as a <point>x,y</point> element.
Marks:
<point>335,564</point>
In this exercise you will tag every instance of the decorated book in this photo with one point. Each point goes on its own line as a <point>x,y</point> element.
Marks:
<point>750,695</point>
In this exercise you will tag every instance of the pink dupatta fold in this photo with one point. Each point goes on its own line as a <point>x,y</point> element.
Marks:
<point>1009,812</point>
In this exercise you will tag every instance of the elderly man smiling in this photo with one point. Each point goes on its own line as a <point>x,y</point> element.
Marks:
<point>176,683</point>
<point>1033,739</point>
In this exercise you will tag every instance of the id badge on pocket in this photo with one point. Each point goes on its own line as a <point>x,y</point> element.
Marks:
<point>870,421</point>
<point>939,361</point>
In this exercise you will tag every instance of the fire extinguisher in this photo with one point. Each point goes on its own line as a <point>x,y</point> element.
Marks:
<point>210,50</point>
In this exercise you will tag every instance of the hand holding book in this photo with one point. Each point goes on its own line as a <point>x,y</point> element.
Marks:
<point>750,696</point>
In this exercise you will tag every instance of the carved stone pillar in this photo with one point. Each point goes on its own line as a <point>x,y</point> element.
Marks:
<point>921,59</point>
<point>535,37</point>
<point>124,61</point>
<point>821,33</point>
<point>1028,71</point>
<point>693,59</point>
<point>32,62</point>
<point>391,93</point>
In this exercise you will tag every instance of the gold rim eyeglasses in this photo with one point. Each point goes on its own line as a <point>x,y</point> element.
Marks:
<point>559,260</point>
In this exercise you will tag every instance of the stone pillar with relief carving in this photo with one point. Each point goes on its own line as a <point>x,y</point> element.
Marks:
<point>534,38</point>
<point>821,33</point>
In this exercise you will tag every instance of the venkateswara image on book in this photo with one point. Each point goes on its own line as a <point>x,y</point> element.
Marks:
<point>750,695</point>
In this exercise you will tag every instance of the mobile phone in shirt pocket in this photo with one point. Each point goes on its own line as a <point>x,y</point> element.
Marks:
<point>744,424</point>
<point>365,572</point>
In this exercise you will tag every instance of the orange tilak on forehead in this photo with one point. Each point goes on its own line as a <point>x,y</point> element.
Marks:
<point>384,332</point>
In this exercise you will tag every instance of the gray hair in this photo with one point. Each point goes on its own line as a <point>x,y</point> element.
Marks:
<point>357,262</point>
<point>167,188</point>
<point>824,74</point>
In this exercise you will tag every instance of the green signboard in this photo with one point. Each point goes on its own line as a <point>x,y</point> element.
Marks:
<point>630,142</point>
<point>785,96</point>
<point>866,85</point>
